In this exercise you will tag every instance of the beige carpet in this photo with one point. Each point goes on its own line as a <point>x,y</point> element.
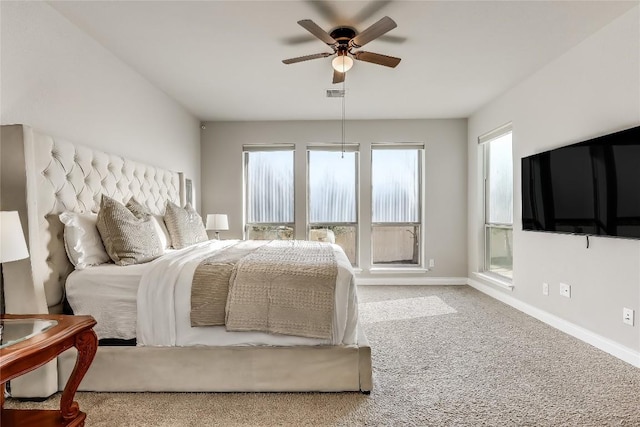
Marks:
<point>442,356</point>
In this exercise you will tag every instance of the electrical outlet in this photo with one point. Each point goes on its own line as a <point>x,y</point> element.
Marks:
<point>627,316</point>
<point>432,263</point>
<point>565,290</point>
<point>545,289</point>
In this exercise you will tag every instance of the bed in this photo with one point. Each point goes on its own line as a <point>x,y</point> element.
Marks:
<point>44,176</point>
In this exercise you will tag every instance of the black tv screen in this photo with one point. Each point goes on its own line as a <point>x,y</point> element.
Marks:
<point>592,187</point>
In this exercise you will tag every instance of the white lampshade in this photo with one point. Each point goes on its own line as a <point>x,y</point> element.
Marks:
<point>342,63</point>
<point>12,244</point>
<point>217,222</point>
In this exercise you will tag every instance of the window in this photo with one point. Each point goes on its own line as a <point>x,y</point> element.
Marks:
<point>332,197</point>
<point>396,180</point>
<point>498,202</point>
<point>269,192</point>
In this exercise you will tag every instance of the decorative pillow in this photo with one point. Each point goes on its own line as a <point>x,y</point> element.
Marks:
<point>127,239</point>
<point>138,209</point>
<point>141,212</point>
<point>82,240</point>
<point>185,226</point>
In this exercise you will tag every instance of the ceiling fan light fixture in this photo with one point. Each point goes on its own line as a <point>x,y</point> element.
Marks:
<point>342,63</point>
<point>342,41</point>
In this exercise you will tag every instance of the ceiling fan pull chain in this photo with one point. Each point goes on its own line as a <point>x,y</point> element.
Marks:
<point>344,95</point>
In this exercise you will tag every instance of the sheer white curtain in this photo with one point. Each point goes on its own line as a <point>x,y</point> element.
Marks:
<point>395,181</point>
<point>332,186</point>
<point>270,186</point>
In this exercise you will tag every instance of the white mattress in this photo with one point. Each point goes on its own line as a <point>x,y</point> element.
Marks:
<point>110,294</point>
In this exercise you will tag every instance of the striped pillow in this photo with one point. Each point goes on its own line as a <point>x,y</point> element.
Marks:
<point>127,239</point>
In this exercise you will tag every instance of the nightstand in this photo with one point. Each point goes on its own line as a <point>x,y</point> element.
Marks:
<point>30,341</point>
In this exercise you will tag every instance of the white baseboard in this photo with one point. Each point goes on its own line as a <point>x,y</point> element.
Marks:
<point>374,281</point>
<point>605,344</point>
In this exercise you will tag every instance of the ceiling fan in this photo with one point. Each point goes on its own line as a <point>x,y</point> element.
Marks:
<point>343,41</point>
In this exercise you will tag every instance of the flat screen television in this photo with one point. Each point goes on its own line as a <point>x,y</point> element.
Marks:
<point>590,188</point>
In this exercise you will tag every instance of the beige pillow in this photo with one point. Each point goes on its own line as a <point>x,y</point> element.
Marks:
<point>138,209</point>
<point>142,212</point>
<point>185,226</point>
<point>127,239</point>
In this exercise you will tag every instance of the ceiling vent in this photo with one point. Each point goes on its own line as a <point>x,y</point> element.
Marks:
<point>335,93</point>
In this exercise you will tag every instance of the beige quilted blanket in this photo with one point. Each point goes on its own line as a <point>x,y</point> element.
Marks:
<point>210,285</point>
<point>284,287</point>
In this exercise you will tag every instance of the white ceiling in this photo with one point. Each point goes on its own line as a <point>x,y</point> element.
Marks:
<point>222,59</point>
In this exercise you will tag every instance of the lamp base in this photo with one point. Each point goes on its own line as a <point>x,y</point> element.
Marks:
<point>217,235</point>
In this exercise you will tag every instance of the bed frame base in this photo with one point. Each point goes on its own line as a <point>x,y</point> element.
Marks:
<point>225,369</point>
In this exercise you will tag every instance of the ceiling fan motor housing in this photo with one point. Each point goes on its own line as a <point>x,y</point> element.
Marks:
<point>343,36</point>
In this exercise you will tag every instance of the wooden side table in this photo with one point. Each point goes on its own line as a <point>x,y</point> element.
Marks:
<point>30,341</point>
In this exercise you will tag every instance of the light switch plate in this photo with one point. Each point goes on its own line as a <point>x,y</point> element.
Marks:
<point>627,316</point>
<point>565,290</point>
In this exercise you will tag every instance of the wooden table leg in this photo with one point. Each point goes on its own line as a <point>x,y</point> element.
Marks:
<point>87,345</point>
<point>2,396</point>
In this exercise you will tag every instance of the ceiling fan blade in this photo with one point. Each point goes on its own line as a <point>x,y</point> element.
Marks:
<point>370,9</point>
<point>306,57</point>
<point>338,77</point>
<point>325,10</point>
<point>373,32</point>
<point>314,29</point>
<point>392,39</point>
<point>294,40</point>
<point>376,58</point>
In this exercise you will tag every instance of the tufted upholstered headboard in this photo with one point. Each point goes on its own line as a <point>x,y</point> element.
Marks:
<point>43,176</point>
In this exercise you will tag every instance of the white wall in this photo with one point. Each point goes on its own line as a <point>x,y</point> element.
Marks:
<point>445,174</point>
<point>57,79</point>
<point>592,90</point>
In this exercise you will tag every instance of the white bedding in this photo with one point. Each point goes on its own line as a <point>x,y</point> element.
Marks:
<point>151,302</point>
<point>109,293</point>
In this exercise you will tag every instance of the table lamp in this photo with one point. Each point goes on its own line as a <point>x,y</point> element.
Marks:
<point>12,244</point>
<point>217,223</point>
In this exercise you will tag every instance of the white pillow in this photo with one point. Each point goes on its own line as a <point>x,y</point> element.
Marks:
<point>82,240</point>
<point>161,230</point>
